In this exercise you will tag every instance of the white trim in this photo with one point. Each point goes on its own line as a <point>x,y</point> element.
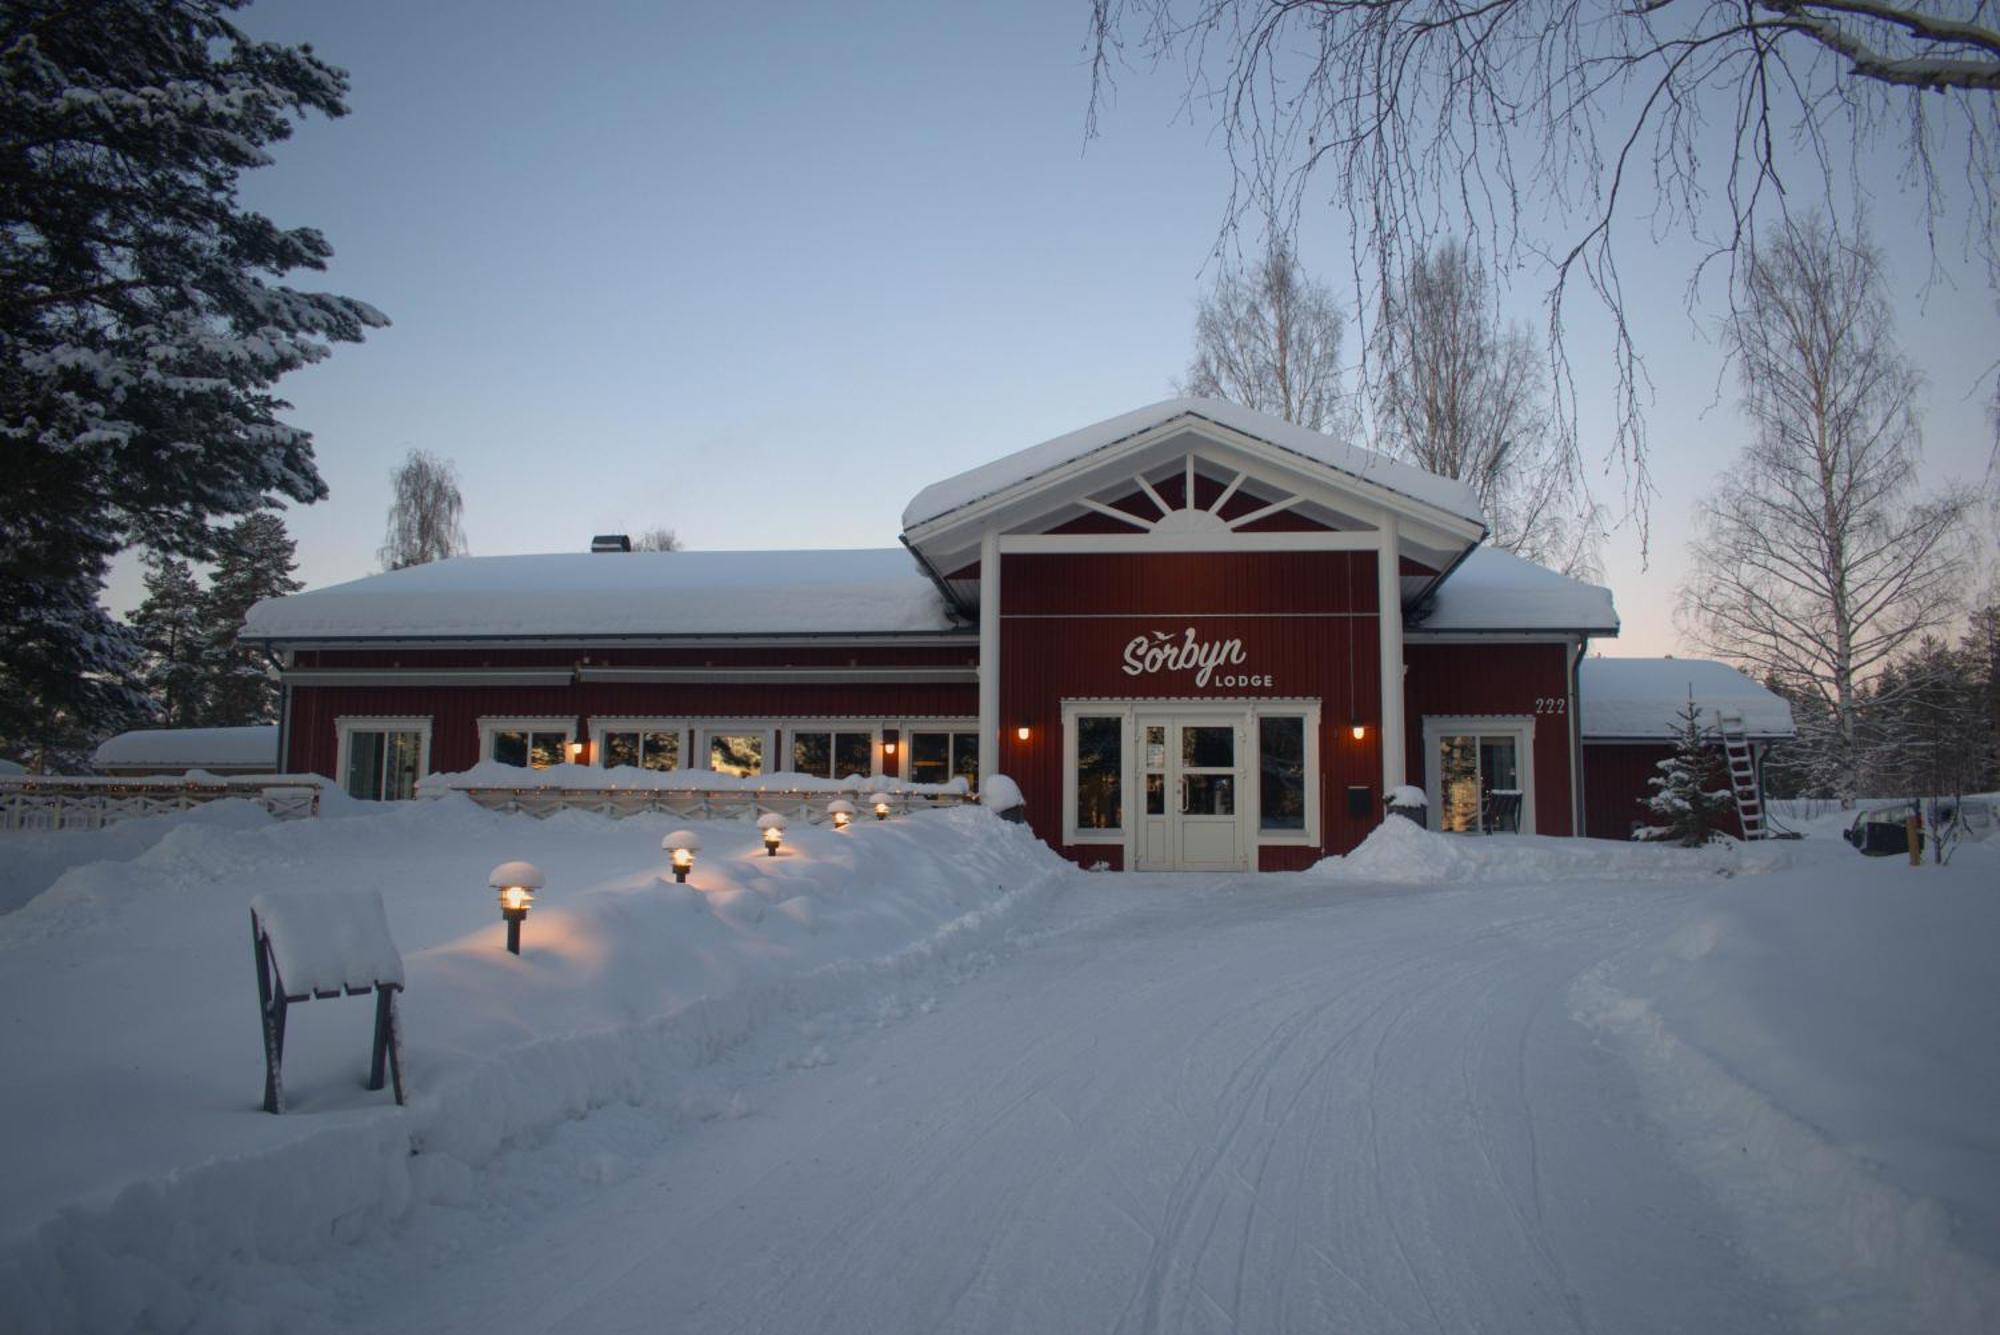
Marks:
<point>346,725</point>
<point>1221,540</point>
<point>1389,604</point>
<point>1250,806</point>
<point>1520,726</point>
<point>489,724</point>
<point>989,656</point>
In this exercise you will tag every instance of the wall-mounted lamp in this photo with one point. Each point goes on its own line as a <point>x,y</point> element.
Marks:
<point>888,741</point>
<point>577,752</point>
<point>516,883</point>
<point>1360,731</point>
<point>1022,732</point>
<point>682,845</point>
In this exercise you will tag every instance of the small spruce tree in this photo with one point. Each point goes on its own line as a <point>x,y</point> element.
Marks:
<point>256,562</point>
<point>170,631</point>
<point>1688,800</point>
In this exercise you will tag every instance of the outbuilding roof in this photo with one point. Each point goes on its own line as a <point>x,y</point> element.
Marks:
<point>1639,698</point>
<point>1495,591</point>
<point>251,747</point>
<point>582,595</point>
<point>990,479</point>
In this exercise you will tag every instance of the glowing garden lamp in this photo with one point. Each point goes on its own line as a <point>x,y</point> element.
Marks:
<point>841,810</point>
<point>682,845</point>
<point>516,883</point>
<point>881,806</point>
<point>773,826</point>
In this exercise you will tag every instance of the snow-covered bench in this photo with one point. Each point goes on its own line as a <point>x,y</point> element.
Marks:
<point>325,944</point>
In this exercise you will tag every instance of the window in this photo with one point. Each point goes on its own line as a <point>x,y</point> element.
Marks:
<point>1099,762</point>
<point>641,750</point>
<point>531,743</point>
<point>1281,773</point>
<point>1208,769</point>
<point>737,753</point>
<point>1480,774</point>
<point>833,753</point>
<point>939,757</point>
<point>382,759</point>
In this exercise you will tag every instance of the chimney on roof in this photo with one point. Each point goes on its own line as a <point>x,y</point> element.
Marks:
<point>611,542</point>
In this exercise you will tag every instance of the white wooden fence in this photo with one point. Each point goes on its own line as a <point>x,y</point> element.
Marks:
<point>701,803</point>
<point>62,803</point>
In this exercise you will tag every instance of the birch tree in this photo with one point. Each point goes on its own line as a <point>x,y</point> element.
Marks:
<point>1815,560</point>
<point>1269,339</point>
<point>427,515</point>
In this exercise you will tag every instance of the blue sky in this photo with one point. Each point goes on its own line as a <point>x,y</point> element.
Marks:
<point>759,273</point>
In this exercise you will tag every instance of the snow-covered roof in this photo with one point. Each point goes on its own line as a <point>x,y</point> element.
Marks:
<point>1494,590</point>
<point>1639,697</point>
<point>583,594</point>
<point>975,484</point>
<point>253,747</point>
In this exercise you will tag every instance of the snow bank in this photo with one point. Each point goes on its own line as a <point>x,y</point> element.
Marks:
<point>493,774</point>
<point>144,1186</point>
<point>1818,1044</point>
<point>1400,852</point>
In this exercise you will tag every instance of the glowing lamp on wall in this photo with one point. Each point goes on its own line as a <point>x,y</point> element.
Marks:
<point>1360,731</point>
<point>1022,731</point>
<point>516,883</point>
<point>681,845</point>
<point>576,752</point>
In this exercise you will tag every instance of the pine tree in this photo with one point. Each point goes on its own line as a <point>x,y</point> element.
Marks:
<point>170,631</point>
<point>141,326</point>
<point>256,562</point>
<point>1689,798</point>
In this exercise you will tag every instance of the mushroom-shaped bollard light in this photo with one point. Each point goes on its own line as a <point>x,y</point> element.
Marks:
<point>773,826</point>
<point>881,801</point>
<point>842,812</point>
<point>516,883</point>
<point>682,844</point>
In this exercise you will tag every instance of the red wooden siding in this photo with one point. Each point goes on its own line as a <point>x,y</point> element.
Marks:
<point>1614,785</point>
<point>567,655</point>
<point>1305,619</point>
<point>1496,679</point>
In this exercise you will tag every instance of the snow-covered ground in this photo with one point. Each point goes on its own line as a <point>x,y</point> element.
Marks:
<point>921,1076</point>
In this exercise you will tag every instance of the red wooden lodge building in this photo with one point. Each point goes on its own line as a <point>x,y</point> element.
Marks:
<point>1167,628</point>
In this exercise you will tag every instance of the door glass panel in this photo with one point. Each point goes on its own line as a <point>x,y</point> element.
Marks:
<point>1156,747</point>
<point>1458,784</point>
<point>853,753</point>
<point>1208,795</point>
<point>1208,747</point>
<point>1098,796</point>
<point>812,753</point>
<point>930,757</point>
<point>1497,766</point>
<point>1156,794</point>
<point>738,753</point>
<point>364,765</point>
<point>1281,770</point>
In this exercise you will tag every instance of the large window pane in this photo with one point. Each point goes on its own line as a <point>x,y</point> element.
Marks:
<point>546,749</point>
<point>1458,784</point>
<point>738,753</point>
<point>1098,760</point>
<point>965,757</point>
<point>620,748</point>
<point>511,748</point>
<point>1208,795</point>
<point>1281,769</point>
<point>364,765</point>
<point>930,757</point>
<point>402,767</point>
<point>662,751</point>
<point>853,753</point>
<point>812,753</point>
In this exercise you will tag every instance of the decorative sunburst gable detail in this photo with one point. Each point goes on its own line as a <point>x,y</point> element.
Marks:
<point>1186,500</point>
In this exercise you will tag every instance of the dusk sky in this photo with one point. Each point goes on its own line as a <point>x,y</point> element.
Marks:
<point>759,273</point>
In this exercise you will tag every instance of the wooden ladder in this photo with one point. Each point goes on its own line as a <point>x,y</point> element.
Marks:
<point>1743,776</point>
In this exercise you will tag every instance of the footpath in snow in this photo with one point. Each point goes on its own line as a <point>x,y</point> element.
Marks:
<point>924,1076</point>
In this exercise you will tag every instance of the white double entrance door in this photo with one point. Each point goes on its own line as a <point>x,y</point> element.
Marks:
<point>1192,790</point>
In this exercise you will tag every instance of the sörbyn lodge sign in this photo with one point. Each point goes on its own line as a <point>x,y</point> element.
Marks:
<point>1160,652</point>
